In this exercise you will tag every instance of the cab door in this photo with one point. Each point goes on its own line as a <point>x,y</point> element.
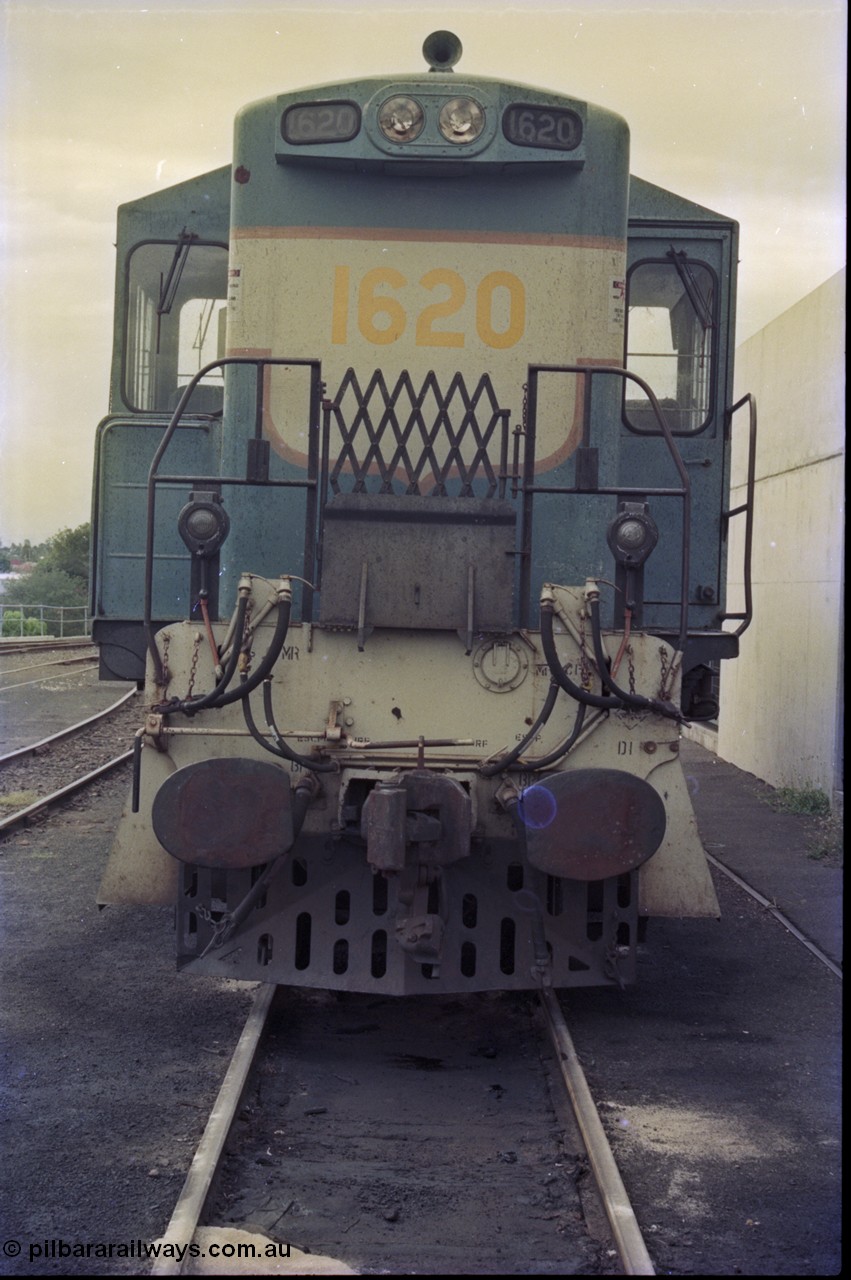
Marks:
<point>679,338</point>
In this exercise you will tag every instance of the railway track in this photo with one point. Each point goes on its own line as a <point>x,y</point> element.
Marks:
<point>44,646</point>
<point>674,1061</point>
<point>356,1144</point>
<point>19,677</point>
<point>40,774</point>
<point>255,1120</point>
<point>298,1151</point>
<point>776,913</point>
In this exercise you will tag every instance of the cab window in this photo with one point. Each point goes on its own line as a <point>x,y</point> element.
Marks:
<point>670,329</point>
<point>174,324</point>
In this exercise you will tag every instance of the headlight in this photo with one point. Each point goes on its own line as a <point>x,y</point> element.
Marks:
<point>401,119</point>
<point>461,120</point>
<point>633,534</point>
<point>203,523</point>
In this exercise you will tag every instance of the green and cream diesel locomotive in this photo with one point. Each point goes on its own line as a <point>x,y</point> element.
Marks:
<point>411,514</point>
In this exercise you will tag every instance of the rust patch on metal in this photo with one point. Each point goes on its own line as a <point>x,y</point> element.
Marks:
<point>422,817</point>
<point>589,824</point>
<point>225,813</point>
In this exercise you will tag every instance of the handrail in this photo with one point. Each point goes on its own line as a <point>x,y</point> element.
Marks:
<point>259,363</point>
<point>529,488</point>
<point>74,619</point>
<point>747,507</point>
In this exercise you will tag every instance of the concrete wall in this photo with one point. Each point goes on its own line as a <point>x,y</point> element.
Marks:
<point>781,701</point>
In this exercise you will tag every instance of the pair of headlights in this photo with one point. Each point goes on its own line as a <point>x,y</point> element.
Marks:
<point>402,119</point>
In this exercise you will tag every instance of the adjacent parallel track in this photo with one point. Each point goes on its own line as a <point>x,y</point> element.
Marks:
<point>34,748</point>
<point>79,783</point>
<point>44,646</point>
<point>777,914</point>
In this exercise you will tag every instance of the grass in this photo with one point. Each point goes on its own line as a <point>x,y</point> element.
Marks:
<point>826,843</point>
<point>806,800</point>
<point>18,799</point>
<point>825,840</point>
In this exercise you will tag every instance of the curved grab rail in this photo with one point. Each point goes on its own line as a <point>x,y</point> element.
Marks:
<point>746,507</point>
<point>259,363</point>
<point>588,372</point>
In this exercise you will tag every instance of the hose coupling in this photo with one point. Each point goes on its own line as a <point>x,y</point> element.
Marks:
<point>308,782</point>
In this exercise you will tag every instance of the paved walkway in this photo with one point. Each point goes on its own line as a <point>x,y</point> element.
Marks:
<point>770,850</point>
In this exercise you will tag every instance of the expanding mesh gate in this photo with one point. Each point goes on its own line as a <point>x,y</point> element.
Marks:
<point>427,440</point>
<point>415,529</point>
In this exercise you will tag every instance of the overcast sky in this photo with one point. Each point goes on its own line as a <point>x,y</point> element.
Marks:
<point>739,106</point>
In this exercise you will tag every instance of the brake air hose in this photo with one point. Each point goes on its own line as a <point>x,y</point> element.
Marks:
<point>190,705</point>
<point>268,661</point>
<point>635,700</point>
<point>281,748</point>
<point>494,767</point>
<point>545,761</point>
<point>558,673</point>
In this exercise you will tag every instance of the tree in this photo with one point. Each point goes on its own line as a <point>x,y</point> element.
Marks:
<point>61,576</point>
<point>68,551</point>
<point>49,586</point>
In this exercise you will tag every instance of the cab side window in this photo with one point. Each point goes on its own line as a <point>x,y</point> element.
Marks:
<point>174,324</point>
<point>671,324</point>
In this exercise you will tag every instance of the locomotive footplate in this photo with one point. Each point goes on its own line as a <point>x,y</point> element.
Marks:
<point>328,921</point>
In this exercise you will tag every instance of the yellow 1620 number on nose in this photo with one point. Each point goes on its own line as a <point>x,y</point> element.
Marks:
<point>382,317</point>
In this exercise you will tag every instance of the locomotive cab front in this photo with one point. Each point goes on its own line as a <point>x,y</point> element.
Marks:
<point>432,559</point>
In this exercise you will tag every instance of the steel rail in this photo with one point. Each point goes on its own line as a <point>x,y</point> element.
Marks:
<point>16,645</point>
<point>187,1213</point>
<point>57,675</point>
<point>19,752</point>
<point>52,662</point>
<point>21,815</point>
<point>190,1203</point>
<point>778,915</point>
<point>629,1241</point>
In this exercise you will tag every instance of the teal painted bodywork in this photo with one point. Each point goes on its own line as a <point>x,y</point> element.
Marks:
<point>494,189</point>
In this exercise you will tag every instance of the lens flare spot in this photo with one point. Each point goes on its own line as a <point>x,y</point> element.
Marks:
<point>537,807</point>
